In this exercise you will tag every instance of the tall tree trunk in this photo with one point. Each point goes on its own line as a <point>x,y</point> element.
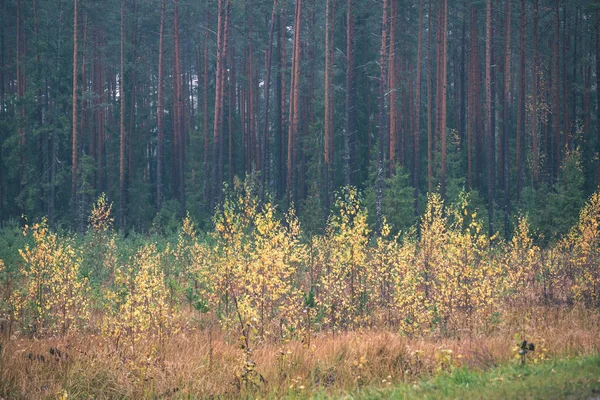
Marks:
<point>74,150</point>
<point>266,130</point>
<point>294,95</point>
<point>252,132</point>
<point>598,91</point>
<point>392,89</point>
<point>282,82</point>
<point>329,54</point>
<point>555,160</point>
<point>205,119</point>
<point>574,84</point>
<point>21,89</point>
<point>217,122</point>
<point>429,103</point>
<point>443,83</point>
<point>382,116</point>
<point>2,96</point>
<point>278,116</point>
<point>350,93</point>
<point>473,65</point>
<point>417,132</point>
<point>101,135</point>
<point>179,111</point>
<point>506,119</point>
<point>534,116</point>
<point>217,162</point>
<point>462,125</point>
<point>488,115</point>
<point>122,121</point>
<point>521,102</point>
<point>83,123</point>
<point>231,108</point>
<point>587,99</point>
<point>565,137</point>
<point>160,112</point>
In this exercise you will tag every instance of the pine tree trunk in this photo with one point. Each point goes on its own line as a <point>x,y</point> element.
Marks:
<point>205,119</point>
<point>217,162</point>
<point>488,115</point>
<point>555,162</point>
<point>283,94</point>
<point>74,149</point>
<point>382,116</point>
<point>574,84</point>
<point>473,65</point>
<point>266,130</point>
<point>2,95</point>
<point>231,109</point>
<point>506,119</point>
<point>392,87</point>
<point>417,132</point>
<point>179,111</point>
<point>350,94</point>
<point>122,122</point>
<point>429,103</point>
<point>521,100</point>
<point>443,86</point>
<point>294,96</point>
<point>329,53</point>
<point>566,132</point>
<point>534,117</point>
<point>160,112</point>
<point>598,91</point>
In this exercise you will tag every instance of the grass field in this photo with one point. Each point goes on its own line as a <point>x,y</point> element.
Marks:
<point>205,363</point>
<point>577,378</point>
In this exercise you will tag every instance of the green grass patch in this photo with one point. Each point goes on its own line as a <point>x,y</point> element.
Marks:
<point>577,378</point>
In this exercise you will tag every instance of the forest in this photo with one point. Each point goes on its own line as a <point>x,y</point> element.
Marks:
<point>159,104</point>
<point>273,198</point>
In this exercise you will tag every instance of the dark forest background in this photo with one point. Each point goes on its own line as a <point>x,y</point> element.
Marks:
<point>159,103</point>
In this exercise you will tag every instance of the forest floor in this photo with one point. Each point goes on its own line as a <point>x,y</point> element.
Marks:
<point>205,363</point>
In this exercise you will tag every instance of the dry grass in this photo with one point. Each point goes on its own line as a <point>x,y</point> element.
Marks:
<point>194,366</point>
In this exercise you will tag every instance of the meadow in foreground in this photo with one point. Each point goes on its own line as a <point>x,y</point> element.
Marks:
<point>257,308</point>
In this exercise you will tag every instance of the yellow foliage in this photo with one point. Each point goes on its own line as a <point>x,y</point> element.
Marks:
<point>54,295</point>
<point>100,219</point>
<point>523,260</point>
<point>344,288</point>
<point>582,249</point>
<point>252,276</point>
<point>138,303</point>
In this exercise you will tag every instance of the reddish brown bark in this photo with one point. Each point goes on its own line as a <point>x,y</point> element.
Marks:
<point>555,95</point>
<point>222,35</point>
<point>598,91</point>
<point>294,96</point>
<point>266,130</point>
<point>506,120</point>
<point>534,119</point>
<point>393,131</point>
<point>521,102</point>
<point>429,103</point>
<point>74,149</point>
<point>417,131</point>
<point>350,94</point>
<point>179,131</point>
<point>283,104</point>
<point>329,59</point>
<point>444,76</point>
<point>160,111</point>
<point>382,116</point>
<point>488,115</point>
